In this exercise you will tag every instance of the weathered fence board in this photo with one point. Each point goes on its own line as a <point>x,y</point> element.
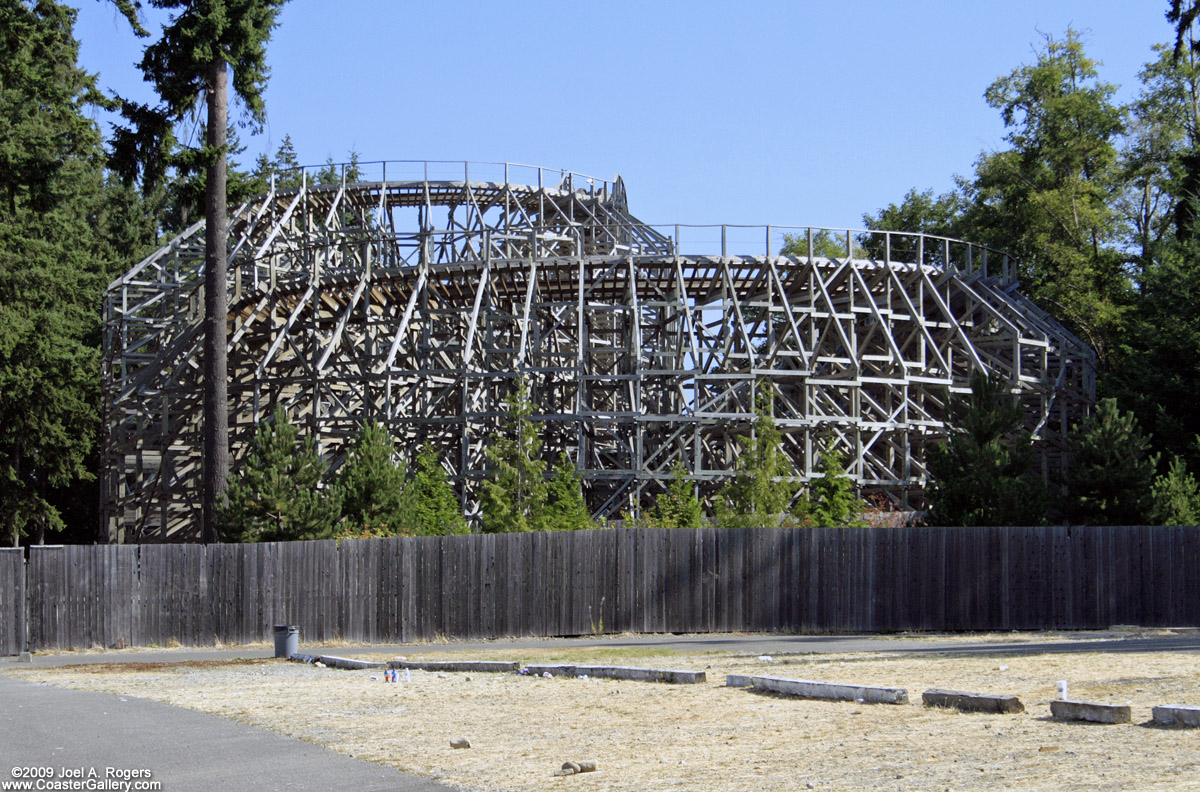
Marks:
<point>82,596</point>
<point>641,580</point>
<point>12,600</point>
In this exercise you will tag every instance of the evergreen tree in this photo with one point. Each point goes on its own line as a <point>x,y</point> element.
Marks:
<point>55,260</point>
<point>1176,496</point>
<point>431,507</point>
<point>183,196</point>
<point>277,497</point>
<point>565,508</point>
<point>333,173</point>
<point>202,41</point>
<point>1158,163</point>
<point>285,166</point>
<point>1159,374</point>
<point>371,486</point>
<point>762,490</point>
<point>678,507</point>
<point>1112,469</point>
<point>514,493</point>
<point>981,474</point>
<point>1170,105</point>
<point>832,498</point>
<point>1049,199</point>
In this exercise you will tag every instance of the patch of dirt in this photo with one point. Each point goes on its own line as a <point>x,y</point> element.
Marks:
<point>134,667</point>
<point>647,736</point>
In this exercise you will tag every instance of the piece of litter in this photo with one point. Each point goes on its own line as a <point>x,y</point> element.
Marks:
<point>460,742</point>
<point>546,674</point>
<point>766,658</point>
<point>319,664</point>
<point>583,676</point>
<point>582,766</point>
<point>1003,668</point>
<point>442,676</point>
<point>569,768</point>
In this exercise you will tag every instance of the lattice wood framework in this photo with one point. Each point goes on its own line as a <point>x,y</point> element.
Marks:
<point>418,300</point>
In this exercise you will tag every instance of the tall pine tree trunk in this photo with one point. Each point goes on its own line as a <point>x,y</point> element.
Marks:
<point>216,410</point>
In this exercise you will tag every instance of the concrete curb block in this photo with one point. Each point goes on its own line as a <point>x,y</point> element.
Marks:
<point>804,688</point>
<point>332,661</point>
<point>972,702</point>
<point>621,672</point>
<point>1089,711</point>
<point>502,667</point>
<point>1180,715</point>
<point>738,680</point>
<point>470,666</point>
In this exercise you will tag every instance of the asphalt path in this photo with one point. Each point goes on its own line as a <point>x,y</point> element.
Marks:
<point>42,726</point>
<point>46,729</point>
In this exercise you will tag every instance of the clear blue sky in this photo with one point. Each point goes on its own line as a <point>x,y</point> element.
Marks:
<point>794,113</point>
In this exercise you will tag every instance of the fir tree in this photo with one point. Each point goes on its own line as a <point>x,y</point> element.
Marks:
<point>202,41</point>
<point>1176,496</point>
<point>333,173</point>
<point>1112,469</point>
<point>762,489</point>
<point>1160,372</point>
<point>431,507</point>
<point>276,497</point>
<point>371,486</point>
<point>981,474</point>
<point>678,507</point>
<point>54,263</point>
<point>565,508</point>
<point>514,492</point>
<point>285,166</point>
<point>831,497</point>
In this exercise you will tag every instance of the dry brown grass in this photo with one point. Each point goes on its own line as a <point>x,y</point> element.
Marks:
<point>706,737</point>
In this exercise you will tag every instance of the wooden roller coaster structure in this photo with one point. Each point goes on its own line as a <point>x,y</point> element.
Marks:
<point>419,298</point>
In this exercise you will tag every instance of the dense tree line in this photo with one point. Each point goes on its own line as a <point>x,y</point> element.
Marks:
<point>66,228</point>
<point>278,493</point>
<point>1097,200</point>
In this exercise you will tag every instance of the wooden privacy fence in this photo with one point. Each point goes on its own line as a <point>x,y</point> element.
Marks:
<point>12,600</point>
<point>604,581</point>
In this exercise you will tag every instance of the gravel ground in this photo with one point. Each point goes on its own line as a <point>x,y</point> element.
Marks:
<point>647,736</point>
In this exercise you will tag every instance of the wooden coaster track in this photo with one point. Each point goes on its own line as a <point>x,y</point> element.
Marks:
<point>418,301</point>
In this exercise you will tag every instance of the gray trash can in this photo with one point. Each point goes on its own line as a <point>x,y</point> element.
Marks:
<point>287,640</point>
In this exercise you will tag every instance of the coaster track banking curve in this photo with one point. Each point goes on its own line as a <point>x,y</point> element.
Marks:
<point>418,300</point>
